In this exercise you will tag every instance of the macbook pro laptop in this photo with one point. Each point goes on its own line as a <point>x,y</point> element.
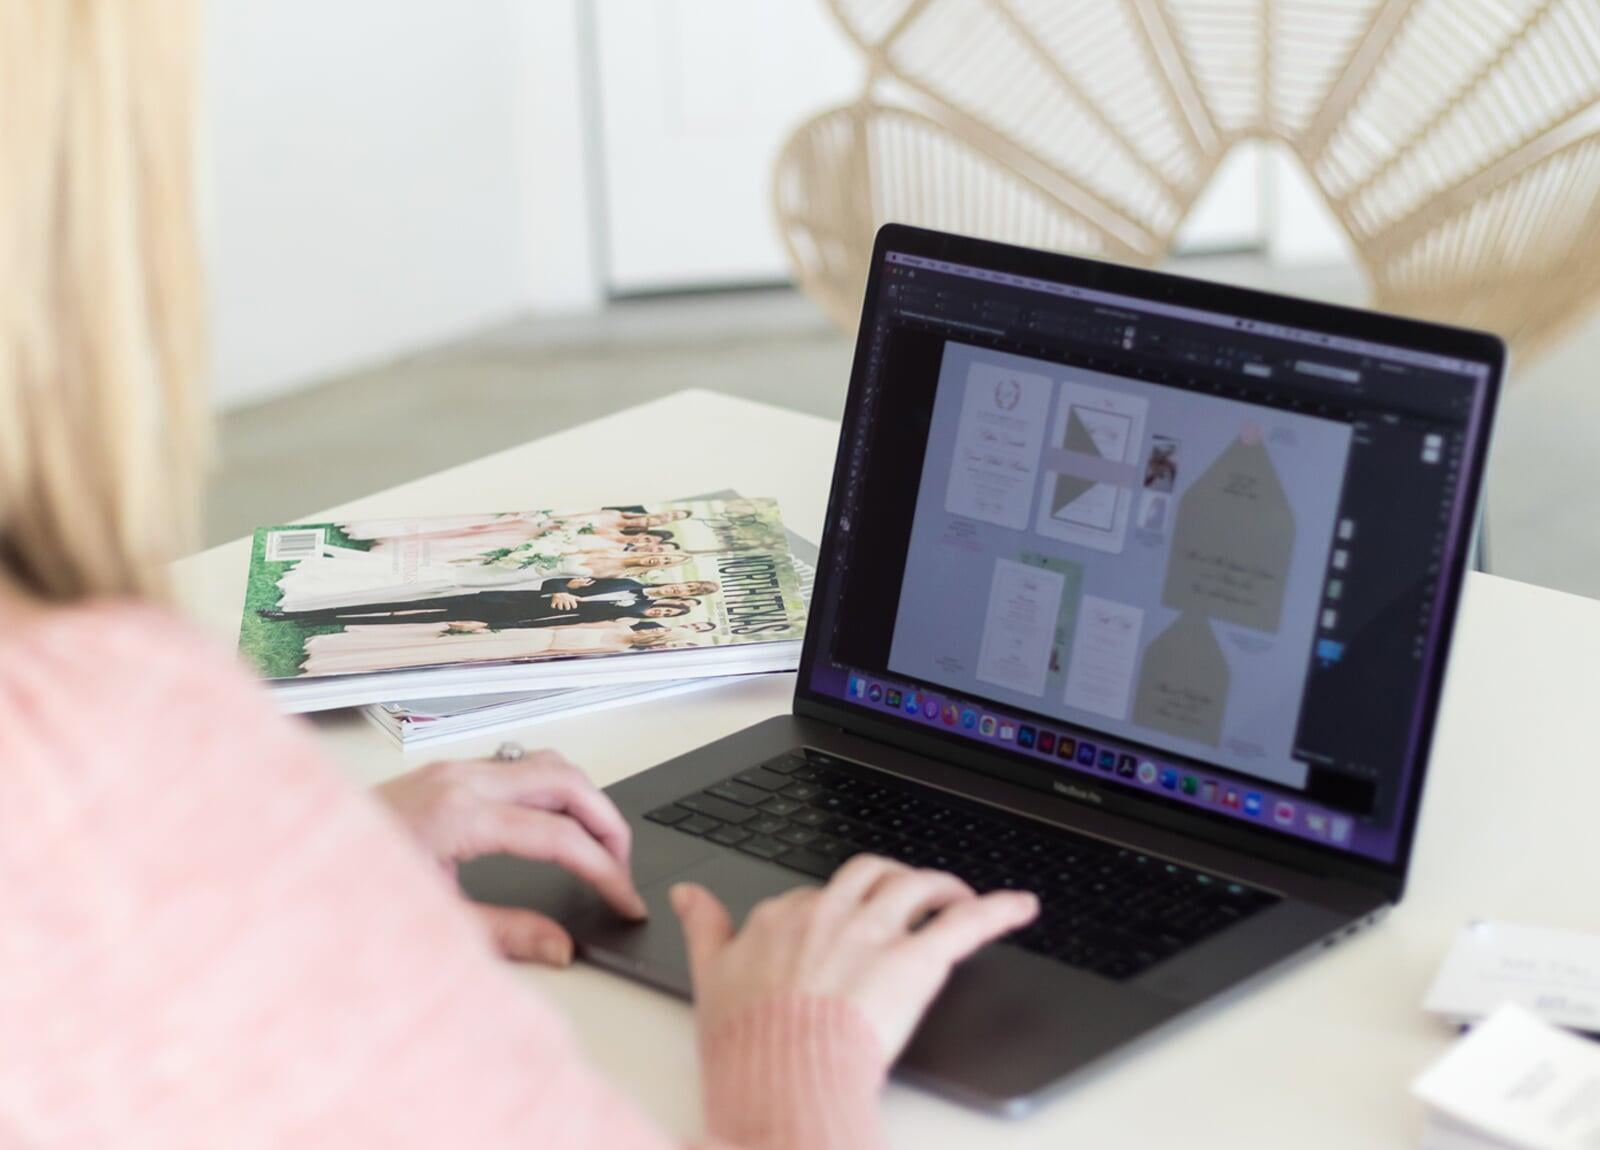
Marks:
<point>1135,592</point>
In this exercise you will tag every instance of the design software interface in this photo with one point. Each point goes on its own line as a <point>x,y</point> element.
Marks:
<point>1178,550</point>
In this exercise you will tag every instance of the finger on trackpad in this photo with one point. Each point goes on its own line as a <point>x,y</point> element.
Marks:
<point>653,951</point>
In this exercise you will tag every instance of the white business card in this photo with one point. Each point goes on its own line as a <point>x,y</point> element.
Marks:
<point>1553,973</point>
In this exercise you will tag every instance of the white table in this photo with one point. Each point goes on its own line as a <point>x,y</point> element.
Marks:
<point>1320,1057</point>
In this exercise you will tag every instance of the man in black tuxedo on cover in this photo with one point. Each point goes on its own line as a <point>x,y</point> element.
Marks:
<point>556,602</point>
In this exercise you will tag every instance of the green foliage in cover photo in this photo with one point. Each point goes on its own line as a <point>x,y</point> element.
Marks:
<point>277,648</point>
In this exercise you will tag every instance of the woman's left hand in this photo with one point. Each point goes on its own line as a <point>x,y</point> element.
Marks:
<point>540,807</point>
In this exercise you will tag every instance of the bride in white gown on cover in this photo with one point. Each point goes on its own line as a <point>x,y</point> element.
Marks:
<point>364,649</point>
<point>523,523</point>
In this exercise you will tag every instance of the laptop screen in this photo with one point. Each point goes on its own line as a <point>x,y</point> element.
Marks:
<point>1149,548</point>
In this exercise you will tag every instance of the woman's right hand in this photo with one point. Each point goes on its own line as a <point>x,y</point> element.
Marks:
<point>880,935</point>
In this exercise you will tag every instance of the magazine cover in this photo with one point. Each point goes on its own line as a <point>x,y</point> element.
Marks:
<point>369,596</point>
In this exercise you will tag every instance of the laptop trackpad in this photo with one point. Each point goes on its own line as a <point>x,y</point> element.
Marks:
<point>654,952</point>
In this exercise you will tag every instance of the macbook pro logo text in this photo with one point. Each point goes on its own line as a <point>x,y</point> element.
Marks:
<point>1081,793</point>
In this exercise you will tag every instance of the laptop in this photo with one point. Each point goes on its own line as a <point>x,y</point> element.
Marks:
<point>1135,592</point>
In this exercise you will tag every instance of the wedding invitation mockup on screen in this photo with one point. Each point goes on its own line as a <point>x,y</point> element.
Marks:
<point>1172,562</point>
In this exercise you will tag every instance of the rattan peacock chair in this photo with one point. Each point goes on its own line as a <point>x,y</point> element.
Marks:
<point>1457,142</point>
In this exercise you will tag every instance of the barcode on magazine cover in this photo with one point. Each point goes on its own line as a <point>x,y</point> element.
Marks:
<point>287,546</point>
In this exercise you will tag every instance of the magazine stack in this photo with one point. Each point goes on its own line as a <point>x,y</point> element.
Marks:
<point>560,609</point>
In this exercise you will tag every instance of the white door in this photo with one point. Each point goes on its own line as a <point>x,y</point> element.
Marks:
<point>695,99</point>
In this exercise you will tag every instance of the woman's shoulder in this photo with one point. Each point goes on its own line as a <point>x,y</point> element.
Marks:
<point>112,664</point>
<point>107,637</point>
<point>134,712</point>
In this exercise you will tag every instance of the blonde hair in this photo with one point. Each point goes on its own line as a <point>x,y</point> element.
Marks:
<point>101,426</point>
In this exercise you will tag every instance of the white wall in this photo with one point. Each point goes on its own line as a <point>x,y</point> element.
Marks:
<point>1301,230</point>
<point>1229,212</point>
<point>381,175</point>
<point>559,207</point>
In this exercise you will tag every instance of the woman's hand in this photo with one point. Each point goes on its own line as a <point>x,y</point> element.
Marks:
<point>540,807</point>
<point>880,935</point>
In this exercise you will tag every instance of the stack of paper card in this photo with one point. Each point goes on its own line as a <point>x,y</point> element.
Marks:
<point>1514,1083</point>
<point>423,721</point>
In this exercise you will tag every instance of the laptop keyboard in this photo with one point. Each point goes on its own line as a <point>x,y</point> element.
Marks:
<point>1103,908</point>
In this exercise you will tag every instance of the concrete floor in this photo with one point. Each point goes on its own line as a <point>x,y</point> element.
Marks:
<point>370,430</point>
<point>394,422</point>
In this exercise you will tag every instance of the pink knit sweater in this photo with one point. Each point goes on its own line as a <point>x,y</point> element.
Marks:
<point>208,939</point>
